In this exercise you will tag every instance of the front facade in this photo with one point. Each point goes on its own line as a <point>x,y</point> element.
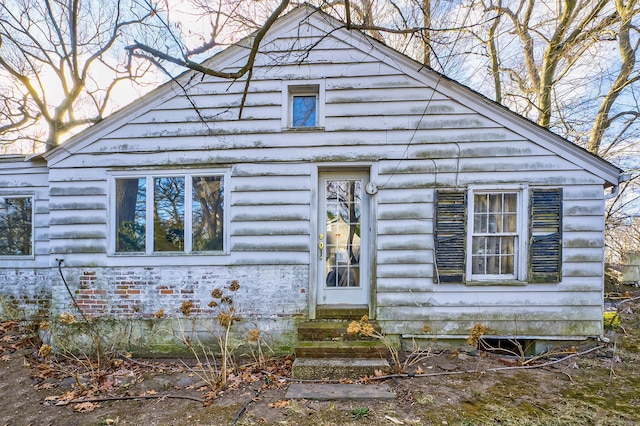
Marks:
<point>353,177</point>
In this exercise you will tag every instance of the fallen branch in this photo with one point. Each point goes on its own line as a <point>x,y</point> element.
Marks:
<point>238,416</point>
<point>127,397</point>
<point>629,300</point>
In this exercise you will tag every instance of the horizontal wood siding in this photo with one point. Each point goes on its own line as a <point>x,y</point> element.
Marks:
<point>415,139</point>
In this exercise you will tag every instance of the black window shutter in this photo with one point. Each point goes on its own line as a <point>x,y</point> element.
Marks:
<point>450,233</point>
<point>545,250</point>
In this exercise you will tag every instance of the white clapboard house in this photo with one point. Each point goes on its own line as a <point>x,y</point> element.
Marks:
<point>351,177</point>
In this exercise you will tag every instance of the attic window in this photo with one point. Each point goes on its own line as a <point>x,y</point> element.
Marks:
<point>303,106</point>
<point>304,111</point>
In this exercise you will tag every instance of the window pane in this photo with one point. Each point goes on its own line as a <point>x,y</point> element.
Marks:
<point>510,202</point>
<point>168,214</point>
<point>478,266</point>
<point>304,111</point>
<point>508,245</point>
<point>492,265</point>
<point>131,216</point>
<point>479,245</point>
<point>495,223</point>
<point>480,203</point>
<point>15,226</point>
<point>208,213</point>
<point>507,265</point>
<point>510,221</point>
<point>493,245</point>
<point>480,223</point>
<point>495,203</point>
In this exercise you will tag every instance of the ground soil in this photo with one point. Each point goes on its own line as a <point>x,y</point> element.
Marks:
<point>601,387</point>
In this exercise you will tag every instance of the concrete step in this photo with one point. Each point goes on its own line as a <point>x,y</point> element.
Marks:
<point>341,349</point>
<point>329,330</point>
<point>346,312</point>
<point>344,392</point>
<point>338,368</point>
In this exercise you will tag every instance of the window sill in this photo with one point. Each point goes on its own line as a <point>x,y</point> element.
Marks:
<point>170,254</point>
<point>303,129</point>
<point>16,258</point>
<point>505,283</point>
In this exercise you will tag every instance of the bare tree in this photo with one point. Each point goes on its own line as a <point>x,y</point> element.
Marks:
<point>51,52</point>
<point>185,56</point>
<point>572,66</point>
<point>405,25</point>
<point>553,62</point>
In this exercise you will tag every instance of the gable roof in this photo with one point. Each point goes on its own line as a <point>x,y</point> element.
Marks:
<point>376,49</point>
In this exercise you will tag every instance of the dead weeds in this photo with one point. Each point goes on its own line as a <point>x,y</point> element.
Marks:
<point>600,387</point>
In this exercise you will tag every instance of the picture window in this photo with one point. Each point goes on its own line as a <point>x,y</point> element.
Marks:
<point>174,213</point>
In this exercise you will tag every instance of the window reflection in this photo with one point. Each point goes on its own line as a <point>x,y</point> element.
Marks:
<point>16,226</point>
<point>343,219</point>
<point>168,214</point>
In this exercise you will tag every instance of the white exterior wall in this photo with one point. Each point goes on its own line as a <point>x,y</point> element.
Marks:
<point>415,133</point>
<point>24,281</point>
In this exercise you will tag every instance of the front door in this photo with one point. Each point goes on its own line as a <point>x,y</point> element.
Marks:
<point>343,240</point>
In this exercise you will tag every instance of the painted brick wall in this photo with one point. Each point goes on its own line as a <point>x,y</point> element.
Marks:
<point>147,302</point>
<point>24,292</point>
<point>265,291</point>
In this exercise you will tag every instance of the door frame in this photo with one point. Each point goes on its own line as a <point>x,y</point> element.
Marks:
<point>367,250</point>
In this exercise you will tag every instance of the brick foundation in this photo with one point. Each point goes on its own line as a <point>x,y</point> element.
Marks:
<point>270,298</point>
<point>265,291</point>
<point>24,292</point>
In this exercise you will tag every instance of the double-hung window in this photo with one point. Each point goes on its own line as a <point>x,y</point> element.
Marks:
<point>16,226</point>
<point>173,212</point>
<point>495,235</point>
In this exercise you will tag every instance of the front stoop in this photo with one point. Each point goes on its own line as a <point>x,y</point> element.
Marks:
<point>326,351</point>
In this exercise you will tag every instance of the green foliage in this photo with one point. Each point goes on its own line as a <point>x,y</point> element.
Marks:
<point>359,413</point>
<point>131,237</point>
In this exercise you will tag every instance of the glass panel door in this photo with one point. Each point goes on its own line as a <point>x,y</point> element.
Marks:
<point>342,240</point>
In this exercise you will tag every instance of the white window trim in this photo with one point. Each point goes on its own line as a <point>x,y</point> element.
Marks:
<point>33,227</point>
<point>522,230</point>
<point>150,175</point>
<point>302,87</point>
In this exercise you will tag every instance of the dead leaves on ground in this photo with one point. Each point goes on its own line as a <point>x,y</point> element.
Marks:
<point>280,404</point>
<point>69,398</point>
<point>85,407</point>
<point>10,339</point>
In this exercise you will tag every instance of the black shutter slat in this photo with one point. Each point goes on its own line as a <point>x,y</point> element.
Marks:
<point>450,236</point>
<point>545,251</point>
